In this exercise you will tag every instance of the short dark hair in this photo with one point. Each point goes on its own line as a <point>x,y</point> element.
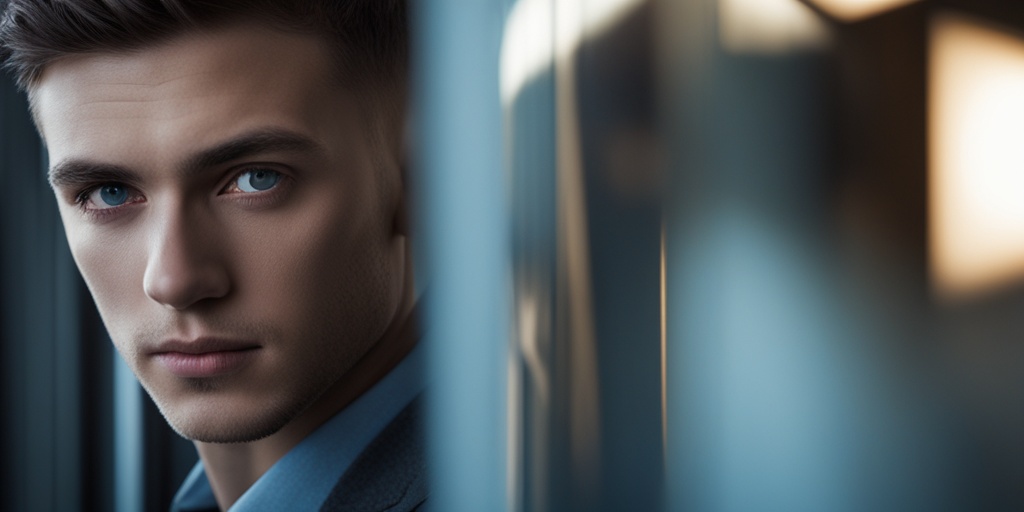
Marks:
<point>368,39</point>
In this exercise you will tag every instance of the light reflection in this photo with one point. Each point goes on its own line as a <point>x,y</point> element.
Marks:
<point>855,10</point>
<point>600,15</point>
<point>514,410</point>
<point>529,344</point>
<point>528,46</point>
<point>976,106</point>
<point>664,341</point>
<point>769,26</point>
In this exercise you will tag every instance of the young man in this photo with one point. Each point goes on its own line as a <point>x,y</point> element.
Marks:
<point>229,178</point>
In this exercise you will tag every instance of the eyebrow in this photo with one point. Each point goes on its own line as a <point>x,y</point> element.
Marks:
<point>80,172</point>
<point>266,140</point>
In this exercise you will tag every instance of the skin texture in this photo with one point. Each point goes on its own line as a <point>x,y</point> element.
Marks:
<point>312,275</point>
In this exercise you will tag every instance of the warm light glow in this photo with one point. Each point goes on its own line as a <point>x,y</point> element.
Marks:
<point>768,26</point>
<point>854,10</point>
<point>976,141</point>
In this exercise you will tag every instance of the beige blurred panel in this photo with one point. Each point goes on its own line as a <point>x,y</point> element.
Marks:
<point>769,27</point>
<point>976,140</point>
<point>574,288</point>
<point>854,10</point>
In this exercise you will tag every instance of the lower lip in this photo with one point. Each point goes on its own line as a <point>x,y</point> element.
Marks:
<point>209,364</point>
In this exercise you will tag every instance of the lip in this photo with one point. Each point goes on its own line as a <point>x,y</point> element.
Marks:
<point>204,357</point>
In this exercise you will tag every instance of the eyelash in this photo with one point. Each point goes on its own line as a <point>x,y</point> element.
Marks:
<point>81,198</point>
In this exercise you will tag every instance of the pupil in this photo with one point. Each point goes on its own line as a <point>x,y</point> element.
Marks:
<point>113,195</point>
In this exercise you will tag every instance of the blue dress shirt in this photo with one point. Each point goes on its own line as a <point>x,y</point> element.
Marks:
<point>305,476</point>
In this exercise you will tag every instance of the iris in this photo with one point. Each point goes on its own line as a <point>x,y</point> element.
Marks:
<point>113,194</point>
<point>258,180</point>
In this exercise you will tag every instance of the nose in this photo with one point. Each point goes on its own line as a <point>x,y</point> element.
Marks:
<point>185,264</point>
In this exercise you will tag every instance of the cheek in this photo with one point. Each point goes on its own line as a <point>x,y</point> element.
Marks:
<point>324,267</point>
<point>112,267</point>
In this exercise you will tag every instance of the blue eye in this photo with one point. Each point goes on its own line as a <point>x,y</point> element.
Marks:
<point>258,180</point>
<point>113,194</point>
<point>106,196</point>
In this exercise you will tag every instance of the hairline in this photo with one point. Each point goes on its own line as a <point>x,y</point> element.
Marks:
<point>331,48</point>
<point>387,100</point>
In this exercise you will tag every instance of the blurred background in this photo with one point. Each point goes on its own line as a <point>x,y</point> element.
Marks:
<point>681,255</point>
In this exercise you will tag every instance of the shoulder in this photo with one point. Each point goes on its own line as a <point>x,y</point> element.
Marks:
<point>391,473</point>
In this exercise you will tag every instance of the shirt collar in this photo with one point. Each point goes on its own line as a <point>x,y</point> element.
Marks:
<point>305,476</point>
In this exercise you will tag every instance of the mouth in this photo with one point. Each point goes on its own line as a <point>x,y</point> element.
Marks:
<point>204,357</point>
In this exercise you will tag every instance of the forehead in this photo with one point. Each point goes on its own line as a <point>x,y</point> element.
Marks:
<point>186,91</point>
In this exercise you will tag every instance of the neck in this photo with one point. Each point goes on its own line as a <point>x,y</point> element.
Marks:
<point>232,468</point>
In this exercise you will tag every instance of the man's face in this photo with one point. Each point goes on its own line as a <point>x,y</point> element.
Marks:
<point>231,218</point>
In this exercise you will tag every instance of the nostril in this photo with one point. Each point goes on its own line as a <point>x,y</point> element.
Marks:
<point>181,291</point>
<point>179,278</point>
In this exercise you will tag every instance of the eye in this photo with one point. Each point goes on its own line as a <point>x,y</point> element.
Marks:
<point>110,195</point>
<point>257,180</point>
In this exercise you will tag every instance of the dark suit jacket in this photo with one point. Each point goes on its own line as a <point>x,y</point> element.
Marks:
<point>391,473</point>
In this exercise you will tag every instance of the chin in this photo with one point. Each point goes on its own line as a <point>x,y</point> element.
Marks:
<point>233,433</point>
<point>213,422</point>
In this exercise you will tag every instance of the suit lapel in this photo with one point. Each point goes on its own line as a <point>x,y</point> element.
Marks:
<point>390,474</point>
